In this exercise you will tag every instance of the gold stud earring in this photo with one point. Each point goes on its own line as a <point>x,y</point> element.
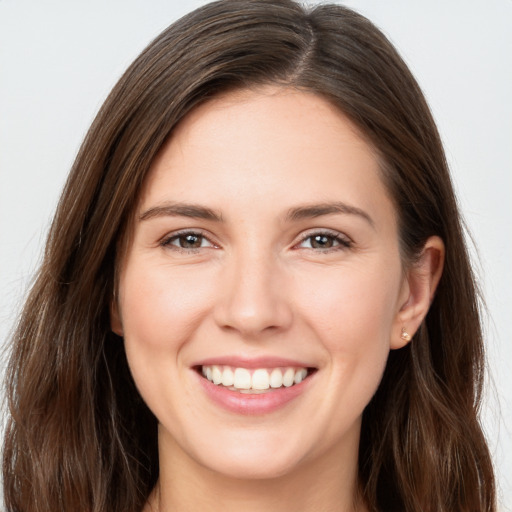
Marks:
<point>405,335</point>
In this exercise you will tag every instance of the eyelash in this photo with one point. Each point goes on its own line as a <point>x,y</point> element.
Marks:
<point>167,241</point>
<point>341,241</point>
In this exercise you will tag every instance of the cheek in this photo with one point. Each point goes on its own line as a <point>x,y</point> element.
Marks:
<point>161,303</point>
<point>353,311</point>
<point>161,308</point>
<point>355,303</point>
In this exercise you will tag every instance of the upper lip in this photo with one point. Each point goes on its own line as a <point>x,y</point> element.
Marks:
<point>252,362</point>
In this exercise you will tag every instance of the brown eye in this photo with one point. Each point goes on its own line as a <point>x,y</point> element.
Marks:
<point>325,242</point>
<point>190,241</point>
<point>187,241</point>
<point>322,241</point>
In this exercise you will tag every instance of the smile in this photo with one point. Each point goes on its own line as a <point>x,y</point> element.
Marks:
<point>254,380</point>
<point>253,386</point>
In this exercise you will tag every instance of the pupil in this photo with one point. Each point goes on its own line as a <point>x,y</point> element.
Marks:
<point>321,241</point>
<point>190,241</point>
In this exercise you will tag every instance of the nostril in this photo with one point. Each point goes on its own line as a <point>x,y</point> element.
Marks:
<point>253,299</point>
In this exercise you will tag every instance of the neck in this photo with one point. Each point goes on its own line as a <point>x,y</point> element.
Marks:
<point>329,484</point>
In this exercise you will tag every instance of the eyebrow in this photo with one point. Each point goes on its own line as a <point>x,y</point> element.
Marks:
<point>193,211</point>
<point>294,214</point>
<point>318,210</point>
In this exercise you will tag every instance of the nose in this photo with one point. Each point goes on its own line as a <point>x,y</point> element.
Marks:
<point>254,299</point>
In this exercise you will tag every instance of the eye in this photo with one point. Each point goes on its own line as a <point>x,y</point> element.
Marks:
<point>187,240</point>
<point>325,241</point>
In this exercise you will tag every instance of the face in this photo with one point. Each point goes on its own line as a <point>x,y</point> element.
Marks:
<point>262,287</point>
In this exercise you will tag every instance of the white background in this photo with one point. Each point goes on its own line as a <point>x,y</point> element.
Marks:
<point>59,59</point>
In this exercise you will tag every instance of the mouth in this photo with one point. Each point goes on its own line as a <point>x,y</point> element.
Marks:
<point>254,380</point>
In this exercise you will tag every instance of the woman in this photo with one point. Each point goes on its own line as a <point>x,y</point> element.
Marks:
<point>255,291</point>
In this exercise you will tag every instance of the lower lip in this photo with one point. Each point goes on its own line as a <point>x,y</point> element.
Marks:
<point>252,404</point>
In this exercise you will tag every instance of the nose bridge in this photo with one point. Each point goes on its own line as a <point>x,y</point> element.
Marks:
<point>254,298</point>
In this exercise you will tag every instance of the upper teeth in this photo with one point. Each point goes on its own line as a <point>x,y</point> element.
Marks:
<point>259,379</point>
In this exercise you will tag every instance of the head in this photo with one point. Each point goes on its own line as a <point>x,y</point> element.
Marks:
<point>426,401</point>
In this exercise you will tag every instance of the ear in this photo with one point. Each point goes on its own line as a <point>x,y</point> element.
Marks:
<point>417,293</point>
<point>115,317</point>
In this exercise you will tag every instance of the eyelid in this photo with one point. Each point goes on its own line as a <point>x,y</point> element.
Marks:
<point>345,241</point>
<point>173,235</point>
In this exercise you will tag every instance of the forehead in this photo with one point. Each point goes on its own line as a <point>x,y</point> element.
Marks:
<point>272,143</point>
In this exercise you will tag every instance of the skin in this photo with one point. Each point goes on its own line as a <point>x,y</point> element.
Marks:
<point>257,285</point>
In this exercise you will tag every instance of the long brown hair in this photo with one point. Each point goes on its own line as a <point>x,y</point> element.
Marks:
<point>79,436</point>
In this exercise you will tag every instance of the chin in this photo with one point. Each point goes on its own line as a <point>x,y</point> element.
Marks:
<point>254,459</point>
<point>243,469</point>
